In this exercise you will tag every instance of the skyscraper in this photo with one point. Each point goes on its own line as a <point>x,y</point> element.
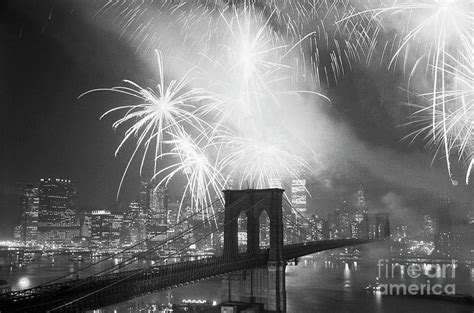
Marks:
<point>157,223</point>
<point>178,222</point>
<point>106,229</point>
<point>429,226</point>
<point>361,205</point>
<point>319,228</point>
<point>444,238</point>
<point>360,220</point>
<point>382,226</point>
<point>134,226</point>
<point>144,198</point>
<point>401,232</point>
<point>444,216</point>
<point>57,220</point>
<point>29,202</point>
<point>298,195</point>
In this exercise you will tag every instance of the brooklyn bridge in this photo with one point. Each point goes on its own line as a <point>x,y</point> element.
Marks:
<point>256,276</point>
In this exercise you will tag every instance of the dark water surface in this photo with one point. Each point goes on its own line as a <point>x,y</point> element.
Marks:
<point>314,285</point>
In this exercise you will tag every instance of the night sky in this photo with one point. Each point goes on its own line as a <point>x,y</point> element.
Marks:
<point>51,53</point>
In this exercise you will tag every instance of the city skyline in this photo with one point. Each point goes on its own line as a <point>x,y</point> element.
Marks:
<point>153,201</point>
<point>236,156</point>
<point>64,137</point>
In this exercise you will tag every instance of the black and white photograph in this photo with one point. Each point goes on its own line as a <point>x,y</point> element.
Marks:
<point>237,156</point>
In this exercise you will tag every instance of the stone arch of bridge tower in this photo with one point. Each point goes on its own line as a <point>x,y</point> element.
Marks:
<point>253,202</point>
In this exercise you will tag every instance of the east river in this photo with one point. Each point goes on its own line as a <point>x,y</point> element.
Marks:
<point>313,285</point>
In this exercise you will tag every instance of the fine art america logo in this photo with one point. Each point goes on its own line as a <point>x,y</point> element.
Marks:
<point>421,279</point>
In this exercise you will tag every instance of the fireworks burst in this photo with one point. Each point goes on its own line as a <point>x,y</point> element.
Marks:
<point>241,72</point>
<point>248,61</point>
<point>260,160</point>
<point>251,58</point>
<point>454,116</point>
<point>204,181</point>
<point>435,36</point>
<point>165,109</point>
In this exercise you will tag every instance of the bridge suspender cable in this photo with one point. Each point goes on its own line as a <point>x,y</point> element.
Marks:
<point>304,218</point>
<point>300,229</point>
<point>149,251</point>
<point>123,250</point>
<point>176,237</point>
<point>143,270</point>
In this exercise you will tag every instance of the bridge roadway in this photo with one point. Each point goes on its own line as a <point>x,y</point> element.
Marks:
<point>95,292</point>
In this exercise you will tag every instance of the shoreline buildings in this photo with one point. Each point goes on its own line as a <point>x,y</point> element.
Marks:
<point>48,211</point>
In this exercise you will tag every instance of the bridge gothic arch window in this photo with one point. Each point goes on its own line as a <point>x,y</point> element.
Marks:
<point>248,206</point>
<point>242,227</point>
<point>264,230</point>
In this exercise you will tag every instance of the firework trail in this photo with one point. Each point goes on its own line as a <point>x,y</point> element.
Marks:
<point>250,58</point>
<point>211,125</point>
<point>192,158</point>
<point>454,116</point>
<point>323,54</point>
<point>260,160</point>
<point>165,109</point>
<point>434,37</point>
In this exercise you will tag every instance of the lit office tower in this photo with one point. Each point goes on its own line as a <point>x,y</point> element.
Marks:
<point>86,224</point>
<point>382,226</point>
<point>319,228</point>
<point>105,229</point>
<point>126,231</point>
<point>401,232</point>
<point>134,223</point>
<point>144,198</point>
<point>429,226</point>
<point>157,224</point>
<point>444,216</point>
<point>298,195</point>
<point>361,205</point>
<point>444,239</point>
<point>29,202</point>
<point>57,220</point>
<point>100,229</point>
<point>340,222</point>
<point>179,222</point>
<point>360,220</point>
<point>344,224</point>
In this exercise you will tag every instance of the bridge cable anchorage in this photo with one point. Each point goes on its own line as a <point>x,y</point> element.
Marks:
<point>145,269</point>
<point>117,253</point>
<point>287,201</point>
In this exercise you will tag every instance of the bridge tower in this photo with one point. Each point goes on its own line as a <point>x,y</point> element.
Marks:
<point>264,286</point>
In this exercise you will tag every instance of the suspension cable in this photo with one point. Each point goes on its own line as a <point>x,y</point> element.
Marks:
<point>153,249</point>
<point>304,218</point>
<point>120,252</point>
<point>142,270</point>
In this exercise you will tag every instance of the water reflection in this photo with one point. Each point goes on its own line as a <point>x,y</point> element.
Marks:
<point>315,281</point>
